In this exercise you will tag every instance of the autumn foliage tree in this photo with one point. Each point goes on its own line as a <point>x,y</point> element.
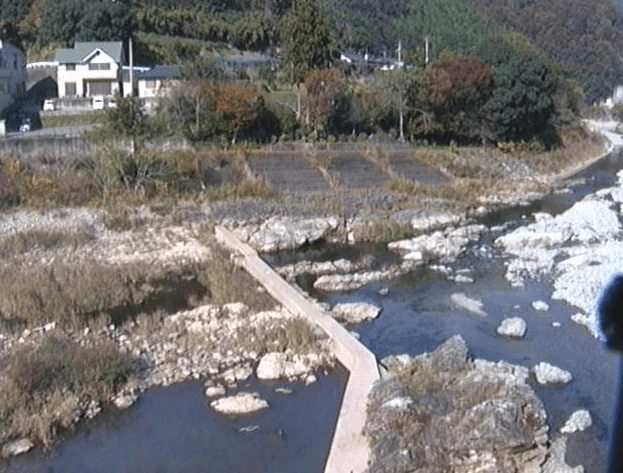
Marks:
<point>456,91</point>
<point>322,86</point>
<point>238,105</point>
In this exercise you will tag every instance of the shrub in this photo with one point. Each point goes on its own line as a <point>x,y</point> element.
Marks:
<point>42,387</point>
<point>228,283</point>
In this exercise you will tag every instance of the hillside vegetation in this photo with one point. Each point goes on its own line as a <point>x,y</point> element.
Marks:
<point>496,71</point>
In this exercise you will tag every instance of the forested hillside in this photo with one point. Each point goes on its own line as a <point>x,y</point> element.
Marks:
<point>586,36</point>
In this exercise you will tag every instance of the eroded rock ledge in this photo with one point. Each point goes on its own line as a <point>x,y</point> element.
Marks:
<point>443,411</point>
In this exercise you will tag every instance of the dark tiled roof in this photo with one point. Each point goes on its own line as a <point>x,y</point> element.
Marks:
<point>161,72</point>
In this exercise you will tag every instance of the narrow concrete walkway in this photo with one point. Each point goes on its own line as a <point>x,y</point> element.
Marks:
<point>349,451</point>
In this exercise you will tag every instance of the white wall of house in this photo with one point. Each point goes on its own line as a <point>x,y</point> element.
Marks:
<point>12,74</point>
<point>155,87</point>
<point>99,74</point>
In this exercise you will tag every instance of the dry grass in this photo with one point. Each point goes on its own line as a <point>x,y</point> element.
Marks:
<point>43,239</point>
<point>227,283</point>
<point>295,335</point>
<point>257,188</point>
<point>74,295</point>
<point>466,192</point>
<point>384,232</point>
<point>42,387</point>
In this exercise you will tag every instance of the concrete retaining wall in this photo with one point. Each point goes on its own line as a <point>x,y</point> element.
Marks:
<point>349,451</point>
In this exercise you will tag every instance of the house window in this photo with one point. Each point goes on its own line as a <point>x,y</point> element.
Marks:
<point>150,83</point>
<point>100,88</point>
<point>70,88</point>
<point>99,66</point>
<point>70,66</point>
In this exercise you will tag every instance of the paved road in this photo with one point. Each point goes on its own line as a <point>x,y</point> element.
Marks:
<point>75,130</point>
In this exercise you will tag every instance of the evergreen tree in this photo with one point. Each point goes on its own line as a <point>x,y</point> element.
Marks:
<point>306,39</point>
<point>522,103</point>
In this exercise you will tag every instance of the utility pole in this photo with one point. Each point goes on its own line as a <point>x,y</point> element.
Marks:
<point>426,49</point>
<point>131,69</point>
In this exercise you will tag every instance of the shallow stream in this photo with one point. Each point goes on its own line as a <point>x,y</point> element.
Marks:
<point>173,429</point>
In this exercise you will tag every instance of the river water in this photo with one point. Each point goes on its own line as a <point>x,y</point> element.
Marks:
<point>417,315</point>
<point>173,430</point>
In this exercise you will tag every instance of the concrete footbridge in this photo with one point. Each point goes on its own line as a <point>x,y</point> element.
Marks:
<point>349,451</point>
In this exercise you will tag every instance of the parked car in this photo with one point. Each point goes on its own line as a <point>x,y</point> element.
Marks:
<point>49,105</point>
<point>99,102</point>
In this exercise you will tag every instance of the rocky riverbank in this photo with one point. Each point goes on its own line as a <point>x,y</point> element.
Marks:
<point>444,411</point>
<point>226,341</point>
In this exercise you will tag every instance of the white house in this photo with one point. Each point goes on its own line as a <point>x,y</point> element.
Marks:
<point>159,81</point>
<point>91,68</point>
<point>12,74</point>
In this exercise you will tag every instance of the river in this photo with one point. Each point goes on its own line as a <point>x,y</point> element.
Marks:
<point>174,430</point>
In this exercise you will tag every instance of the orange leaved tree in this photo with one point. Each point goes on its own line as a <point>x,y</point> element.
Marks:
<point>238,105</point>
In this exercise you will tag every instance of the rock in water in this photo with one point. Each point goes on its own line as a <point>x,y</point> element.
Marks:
<point>276,365</point>
<point>241,403</point>
<point>16,447</point>
<point>580,420</point>
<point>512,327</point>
<point>355,312</point>
<point>464,302</point>
<point>442,411</point>
<point>546,373</point>
<point>540,306</point>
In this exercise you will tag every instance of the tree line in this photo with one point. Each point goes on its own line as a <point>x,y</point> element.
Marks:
<point>481,83</point>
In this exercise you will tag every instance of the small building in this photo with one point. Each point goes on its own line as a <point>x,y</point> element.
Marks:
<point>159,81</point>
<point>91,68</point>
<point>12,74</point>
<point>130,81</point>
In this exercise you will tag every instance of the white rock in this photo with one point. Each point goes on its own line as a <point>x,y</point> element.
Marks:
<point>16,447</point>
<point>283,391</point>
<point>556,460</point>
<point>276,365</point>
<point>588,321</point>
<point>279,233</point>
<point>556,324</point>
<point>125,400</point>
<point>546,373</point>
<point>355,312</point>
<point>460,278</point>
<point>310,379</point>
<point>241,403</point>
<point>464,302</point>
<point>512,327</point>
<point>445,246</point>
<point>400,403</point>
<point>580,420</point>
<point>215,391</point>
<point>540,305</point>
<point>237,374</point>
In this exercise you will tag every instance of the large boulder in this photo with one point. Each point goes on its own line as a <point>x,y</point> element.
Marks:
<point>282,233</point>
<point>514,327</point>
<point>442,411</point>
